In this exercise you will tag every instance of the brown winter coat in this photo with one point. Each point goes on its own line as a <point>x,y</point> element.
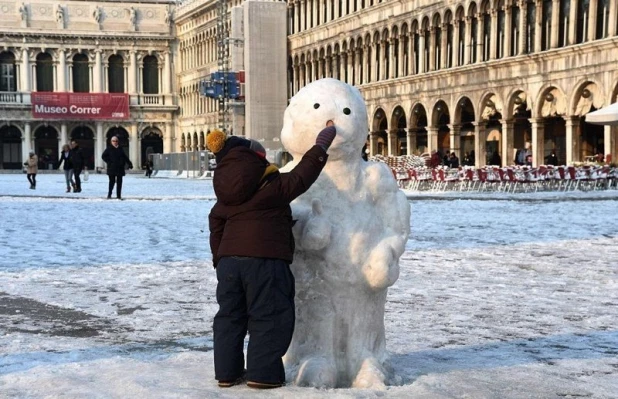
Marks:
<point>253,218</point>
<point>33,164</point>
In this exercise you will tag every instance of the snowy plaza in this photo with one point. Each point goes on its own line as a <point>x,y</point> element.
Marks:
<point>500,295</point>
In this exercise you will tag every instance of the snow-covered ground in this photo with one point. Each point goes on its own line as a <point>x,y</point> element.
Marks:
<point>499,296</point>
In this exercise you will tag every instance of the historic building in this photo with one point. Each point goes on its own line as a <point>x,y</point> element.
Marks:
<point>85,70</point>
<point>461,76</point>
<point>465,76</point>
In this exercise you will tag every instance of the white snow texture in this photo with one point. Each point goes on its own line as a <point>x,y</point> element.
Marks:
<point>353,224</point>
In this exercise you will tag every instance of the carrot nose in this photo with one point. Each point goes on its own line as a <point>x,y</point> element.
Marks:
<point>329,123</point>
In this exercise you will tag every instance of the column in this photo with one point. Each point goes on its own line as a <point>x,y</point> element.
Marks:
<point>432,138</point>
<point>421,53</point>
<point>613,15</point>
<point>592,20</point>
<point>64,137</point>
<point>444,47</point>
<point>27,144</point>
<point>168,142</point>
<point>538,141</point>
<point>400,57</point>
<point>538,23</point>
<point>380,61</point>
<point>351,65</point>
<point>508,27</point>
<point>296,17</point>
<point>343,66</point>
<point>25,71</point>
<point>314,13</point>
<point>392,140</point>
<point>555,23</point>
<point>411,54</point>
<point>455,44</point>
<point>97,73</point>
<point>495,40</point>
<point>468,41</point>
<point>523,32</point>
<point>411,142</point>
<point>303,19</point>
<point>99,146</point>
<point>344,8</point>
<point>132,72</point>
<point>366,61</point>
<point>572,139</point>
<point>480,142</point>
<point>573,21</point>
<point>373,143</point>
<point>392,65</point>
<point>432,49</point>
<point>62,70</point>
<point>480,36</point>
<point>508,139</point>
<point>167,73</point>
<point>134,145</point>
<point>609,142</point>
<point>455,139</point>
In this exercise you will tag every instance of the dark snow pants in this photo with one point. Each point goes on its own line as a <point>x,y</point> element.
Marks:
<point>255,295</point>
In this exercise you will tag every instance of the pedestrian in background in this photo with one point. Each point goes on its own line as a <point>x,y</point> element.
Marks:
<point>65,156</point>
<point>77,160</point>
<point>116,160</point>
<point>32,168</point>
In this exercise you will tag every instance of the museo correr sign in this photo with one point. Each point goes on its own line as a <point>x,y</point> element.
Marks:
<point>47,105</point>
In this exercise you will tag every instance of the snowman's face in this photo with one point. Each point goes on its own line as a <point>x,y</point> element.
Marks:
<point>316,104</point>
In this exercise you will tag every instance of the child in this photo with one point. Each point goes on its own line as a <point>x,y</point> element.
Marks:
<point>252,247</point>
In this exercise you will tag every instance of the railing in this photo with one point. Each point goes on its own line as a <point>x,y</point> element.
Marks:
<point>11,97</point>
<point>151,99</point>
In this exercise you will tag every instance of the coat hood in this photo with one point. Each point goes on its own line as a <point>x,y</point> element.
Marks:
<point>238,176</point>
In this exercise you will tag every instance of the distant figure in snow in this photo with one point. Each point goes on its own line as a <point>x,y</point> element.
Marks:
<point>78,162</point>
<point>32,168</point>
<point>116,161</point>
<point>65,156</point>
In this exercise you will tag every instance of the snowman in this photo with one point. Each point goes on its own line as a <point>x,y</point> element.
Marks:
<point>352,227</point>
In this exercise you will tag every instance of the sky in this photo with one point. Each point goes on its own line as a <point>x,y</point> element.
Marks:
<point>499,296</point>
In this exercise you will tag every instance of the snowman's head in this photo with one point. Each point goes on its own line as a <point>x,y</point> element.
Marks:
<point>316,104</point>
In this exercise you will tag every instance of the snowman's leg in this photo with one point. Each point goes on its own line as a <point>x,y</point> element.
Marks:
<point>371,375</point>
<point>317,372</point>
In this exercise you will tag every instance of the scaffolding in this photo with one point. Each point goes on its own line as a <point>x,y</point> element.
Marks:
<point>223,54</point>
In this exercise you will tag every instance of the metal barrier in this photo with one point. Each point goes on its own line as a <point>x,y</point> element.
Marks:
<point>191,164</point>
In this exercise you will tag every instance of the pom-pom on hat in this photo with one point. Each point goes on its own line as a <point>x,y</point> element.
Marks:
<point>215,141</point>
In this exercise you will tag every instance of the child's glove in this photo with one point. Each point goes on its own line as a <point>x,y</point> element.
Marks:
<point>326,137</point>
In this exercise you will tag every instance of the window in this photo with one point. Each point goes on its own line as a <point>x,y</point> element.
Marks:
<point>44,72</point>
<point>150,81</point>
<point>115,74</point>
<point>7,72</point>
<point>81,74</point>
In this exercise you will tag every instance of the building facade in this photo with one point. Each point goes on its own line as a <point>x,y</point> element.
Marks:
<point>464,76</point>
<point>457,76</point>
<point>81,57</point>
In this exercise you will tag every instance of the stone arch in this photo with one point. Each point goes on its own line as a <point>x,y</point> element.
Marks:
<point>379,131</point>
<point>46,145</point>
<point>587,94</point>
<point>419,122</point>
<point>441,119</point>
<point>551,101</point>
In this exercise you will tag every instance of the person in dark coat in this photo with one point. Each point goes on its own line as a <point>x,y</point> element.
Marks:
<point>552,159</point>
<point>77,159</point>
<point>65,157</point>
<point>495,159</point>
<point>453,161</point>
<point>116,159</point>
<point>252,248</point>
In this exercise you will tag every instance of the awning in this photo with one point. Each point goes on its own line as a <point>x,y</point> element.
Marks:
<point>604,116</point>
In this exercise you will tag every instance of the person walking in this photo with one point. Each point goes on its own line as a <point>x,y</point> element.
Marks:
<point>77,161</point>
<point>32,168</point>
<point>252,247</point>
<point>116,159</point>
<point>65,156</point>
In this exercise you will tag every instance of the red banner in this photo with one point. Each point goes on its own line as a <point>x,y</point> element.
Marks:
<point>48,105</point>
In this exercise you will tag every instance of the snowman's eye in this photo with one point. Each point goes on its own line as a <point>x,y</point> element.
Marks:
<point>316,105</point>
<point>347,111</point>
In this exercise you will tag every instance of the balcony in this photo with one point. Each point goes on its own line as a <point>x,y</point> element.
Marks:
<point>150,99</point>
<point>11,97</point>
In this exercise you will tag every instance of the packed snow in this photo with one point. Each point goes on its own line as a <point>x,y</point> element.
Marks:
<point>499,296</point>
